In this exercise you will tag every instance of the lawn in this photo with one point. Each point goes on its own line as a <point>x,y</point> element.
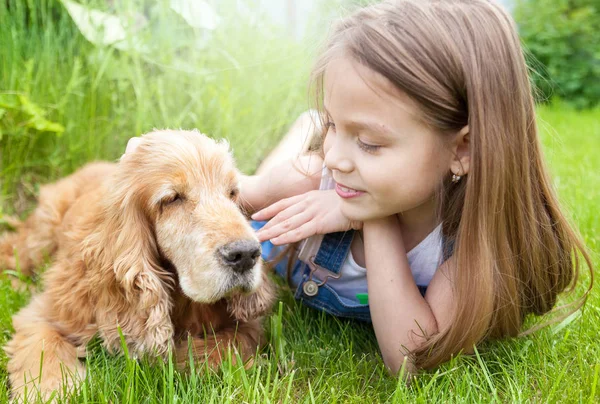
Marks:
<point>64,101</point>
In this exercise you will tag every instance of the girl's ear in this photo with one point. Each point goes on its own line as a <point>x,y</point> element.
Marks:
<point>461,150</point>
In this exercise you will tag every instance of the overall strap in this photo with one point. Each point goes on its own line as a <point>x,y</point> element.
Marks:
<point>327,251</point>
<point>333,251</point>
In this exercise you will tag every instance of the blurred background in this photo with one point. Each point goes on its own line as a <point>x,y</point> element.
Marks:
<point>80,77</point>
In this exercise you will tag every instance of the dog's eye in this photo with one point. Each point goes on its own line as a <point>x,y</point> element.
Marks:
<point>172,199</point>
<point>234,193</point>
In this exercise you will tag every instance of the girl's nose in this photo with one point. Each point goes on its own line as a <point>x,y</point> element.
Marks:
<point>336,157</point>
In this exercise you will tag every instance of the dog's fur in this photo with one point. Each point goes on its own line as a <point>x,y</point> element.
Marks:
<point>134,247</point>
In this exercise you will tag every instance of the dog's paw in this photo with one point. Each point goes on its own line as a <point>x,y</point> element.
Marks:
<point>159,339</point>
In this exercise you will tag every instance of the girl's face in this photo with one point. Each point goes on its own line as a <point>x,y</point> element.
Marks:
<point>383,158</point>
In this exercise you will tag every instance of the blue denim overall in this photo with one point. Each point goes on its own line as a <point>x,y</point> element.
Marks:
<point>309,275</point>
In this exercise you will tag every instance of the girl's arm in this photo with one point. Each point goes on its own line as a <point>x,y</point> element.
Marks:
<point>399,313</point>
<point>290,178</point>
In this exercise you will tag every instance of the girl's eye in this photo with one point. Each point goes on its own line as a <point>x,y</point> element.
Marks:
<point>330,125</point>
<point>369,148</point>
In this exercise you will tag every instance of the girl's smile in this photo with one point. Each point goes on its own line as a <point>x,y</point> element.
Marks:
<point>346,192</point>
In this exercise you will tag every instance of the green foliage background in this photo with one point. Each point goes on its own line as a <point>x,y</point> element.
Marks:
<point>65,101</point>
<point>563,41</point>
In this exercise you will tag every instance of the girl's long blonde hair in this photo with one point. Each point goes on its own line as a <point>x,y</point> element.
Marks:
<point>462,62</point>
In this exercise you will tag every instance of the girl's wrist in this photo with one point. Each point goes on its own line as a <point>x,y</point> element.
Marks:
<point>388,223</point>
<point>383,233</point>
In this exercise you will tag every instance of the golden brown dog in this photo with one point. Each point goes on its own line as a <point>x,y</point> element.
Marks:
<point>155,245</point>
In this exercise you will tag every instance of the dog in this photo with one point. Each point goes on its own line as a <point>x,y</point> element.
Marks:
<point>154,248</point>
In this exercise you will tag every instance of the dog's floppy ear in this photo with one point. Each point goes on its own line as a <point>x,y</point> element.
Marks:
<point>247,307</point>
<point>126,249</point>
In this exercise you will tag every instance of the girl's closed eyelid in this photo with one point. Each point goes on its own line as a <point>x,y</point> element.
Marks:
<point>369,148</point>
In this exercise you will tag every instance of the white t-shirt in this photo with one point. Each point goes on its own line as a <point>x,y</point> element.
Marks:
<point>424,259</point>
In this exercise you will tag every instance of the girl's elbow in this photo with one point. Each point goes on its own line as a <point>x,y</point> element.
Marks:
<point>398,360</point>
<point>393,365</point>
<point>399,364</point>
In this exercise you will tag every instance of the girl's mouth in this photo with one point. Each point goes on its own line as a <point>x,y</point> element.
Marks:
<point>345,192</point>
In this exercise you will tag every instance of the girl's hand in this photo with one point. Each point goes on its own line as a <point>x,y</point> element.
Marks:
<point>302,216</point>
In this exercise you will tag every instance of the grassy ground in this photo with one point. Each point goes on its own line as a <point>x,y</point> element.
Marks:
<point>64,102</point>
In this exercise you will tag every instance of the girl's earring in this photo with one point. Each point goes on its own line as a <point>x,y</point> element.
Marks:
<point>455,178</point>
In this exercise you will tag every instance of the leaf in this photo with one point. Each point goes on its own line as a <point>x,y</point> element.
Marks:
<point>96,26</point>
<point>104,29</point>
<point>37,117</point>
<point>29,107</point>
<point>197,13</point>
<point>44,125</point>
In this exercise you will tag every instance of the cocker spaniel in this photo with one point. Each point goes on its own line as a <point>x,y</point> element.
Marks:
<point>155,247</point>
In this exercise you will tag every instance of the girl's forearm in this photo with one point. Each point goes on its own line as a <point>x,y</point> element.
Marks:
<point>293,177</point>
<point>399,313</point>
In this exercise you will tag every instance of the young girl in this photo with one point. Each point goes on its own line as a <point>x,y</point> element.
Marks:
<point>428,196</point>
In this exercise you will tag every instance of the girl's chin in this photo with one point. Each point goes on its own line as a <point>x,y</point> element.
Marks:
<point>358,214</point>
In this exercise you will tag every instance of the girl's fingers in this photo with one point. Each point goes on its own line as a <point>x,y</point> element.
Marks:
<point>287,225</point>
<point>272,210</point>
<point>284,215</point>
<point>306,230</point>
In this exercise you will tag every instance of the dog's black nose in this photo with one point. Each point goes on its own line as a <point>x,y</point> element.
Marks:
<point>240,255</point>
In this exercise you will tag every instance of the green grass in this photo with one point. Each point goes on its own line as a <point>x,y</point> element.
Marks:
<point>248,84</point>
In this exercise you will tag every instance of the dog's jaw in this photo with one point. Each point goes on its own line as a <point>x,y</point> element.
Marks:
<point>211,285</point>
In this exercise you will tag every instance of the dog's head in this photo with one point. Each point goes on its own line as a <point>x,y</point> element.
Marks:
<point>177,198</point>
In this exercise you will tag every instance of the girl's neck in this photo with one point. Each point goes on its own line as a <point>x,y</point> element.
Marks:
<point>417,223</point>
<point>415,226</point>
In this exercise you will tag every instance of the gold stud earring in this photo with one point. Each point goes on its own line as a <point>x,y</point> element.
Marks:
<point>455,178</point>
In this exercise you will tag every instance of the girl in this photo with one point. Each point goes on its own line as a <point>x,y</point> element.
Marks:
<point>428,194</point>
